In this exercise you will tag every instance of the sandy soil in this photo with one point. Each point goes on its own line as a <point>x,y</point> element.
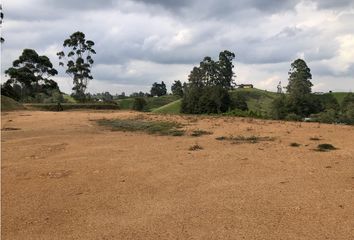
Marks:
<point>64,177</point>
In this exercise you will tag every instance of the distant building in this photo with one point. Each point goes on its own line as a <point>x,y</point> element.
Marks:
<point>245,86</point>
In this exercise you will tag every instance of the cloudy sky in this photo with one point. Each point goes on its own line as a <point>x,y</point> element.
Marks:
<point>139,42</point>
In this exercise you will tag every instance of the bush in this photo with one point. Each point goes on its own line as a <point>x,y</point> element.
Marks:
<point>293,117</point>
<point>328,101</point>
<point>139,104</point>
<point>151,127</point>
<point>325,147</point>
<point>328,116</point>
<point>347,115</point>
<point>239,101</point>
<point>279,108</point>
<point>213,99</point>
<point>348,102</point>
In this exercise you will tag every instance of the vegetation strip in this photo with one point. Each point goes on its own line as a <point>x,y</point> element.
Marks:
<point>151,127</point>
<point>198,133</point>
<point>244,139</point>
<point>195,147</point>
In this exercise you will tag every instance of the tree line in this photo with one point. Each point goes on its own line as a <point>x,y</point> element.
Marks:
<point>207,90</point>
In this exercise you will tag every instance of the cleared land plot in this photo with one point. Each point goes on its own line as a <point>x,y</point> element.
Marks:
<point>66,177</point>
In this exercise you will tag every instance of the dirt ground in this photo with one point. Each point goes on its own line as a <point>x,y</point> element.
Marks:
<point>64,177</point>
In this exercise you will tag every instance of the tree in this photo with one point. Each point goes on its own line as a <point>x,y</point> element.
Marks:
<point>158,89</point>
<point>30,74</point>
<point>299,79</point>
<point>78,61</point>
<point>225,67</point>
<point>208,85</point>
<point>177,88</point>
<point>299,102</point>
<point>107,97</point>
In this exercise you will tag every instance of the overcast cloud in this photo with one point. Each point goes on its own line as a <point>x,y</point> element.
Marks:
<point>139,42</point>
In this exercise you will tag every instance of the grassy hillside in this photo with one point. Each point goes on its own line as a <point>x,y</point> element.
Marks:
<point>339,96</point>
<point>257,100</point>
<point>69,99</point>
<point>126,103</point>
<point>152,102</point>
<point>157,102</point>
<point>171,108</point>
<point>8,104</point>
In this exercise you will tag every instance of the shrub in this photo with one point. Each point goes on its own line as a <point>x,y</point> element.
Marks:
<point>239,101</point>
<point>139,104</point>
<point>328,101</point>
<point>347,115</point>
<point>151,127</point>
<point>279,108</point>
<point>328,116</point>
<point>325,147</point>
<point>197,133</point>
<point>294,144</point>
<point>348,102</point>
<point>293,117</point>
<point>195,147</point>
<point>245,139</point>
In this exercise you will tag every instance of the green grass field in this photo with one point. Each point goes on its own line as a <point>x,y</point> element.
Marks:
<point>171,108</point>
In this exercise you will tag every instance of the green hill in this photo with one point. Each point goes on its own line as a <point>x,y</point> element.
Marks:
<point>339,96</point>
<point>8,104</point>
<point>171,108</point>
<point>257,100</point>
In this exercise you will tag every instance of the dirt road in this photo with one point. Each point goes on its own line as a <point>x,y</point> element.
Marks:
<point>64,177</point>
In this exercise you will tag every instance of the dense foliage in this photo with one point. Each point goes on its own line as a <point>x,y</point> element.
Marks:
<point>177,88</point>
<point>208,85</point>
<point>30,79</point>
<point>139,104</point>
<point>300,103</point>
<point>158,89</point>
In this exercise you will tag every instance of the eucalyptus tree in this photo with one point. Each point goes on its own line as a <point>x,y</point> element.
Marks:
<point>77,58</point>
